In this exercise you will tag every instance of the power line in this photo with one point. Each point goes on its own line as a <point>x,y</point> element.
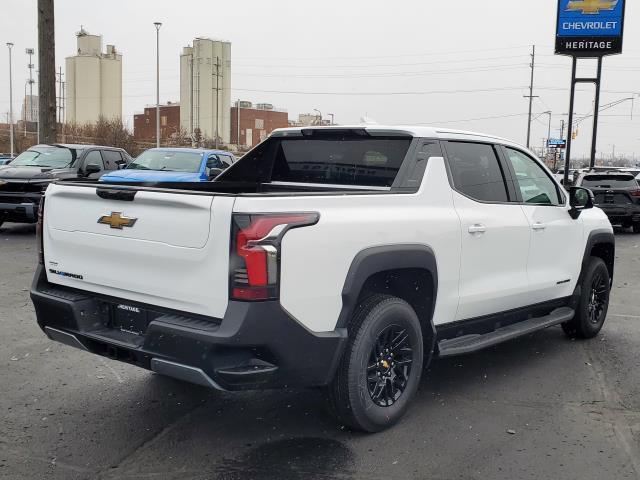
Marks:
<point>356,94</point>
<point>489,68</point>
<point>437,62</point>
<point>425,54</point>
<point>492,117</point>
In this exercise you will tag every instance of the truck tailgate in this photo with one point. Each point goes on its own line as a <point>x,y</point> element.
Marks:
<point>161,248</point>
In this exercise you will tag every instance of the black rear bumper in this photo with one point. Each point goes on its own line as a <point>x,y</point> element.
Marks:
<point>622,214</point>
<point>19,207</point>
<point>256,345</point>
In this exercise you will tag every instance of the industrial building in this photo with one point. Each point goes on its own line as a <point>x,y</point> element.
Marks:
<point>205,89</point>
<point>310,120</point>
<point>253,124</point>
<point>93,81</point>
<point>30,108</point>
<point>144,124</point>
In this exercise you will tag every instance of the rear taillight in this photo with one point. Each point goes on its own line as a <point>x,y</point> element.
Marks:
<point>255,252</point>
<point>635,193</point>
<point>39,228</point>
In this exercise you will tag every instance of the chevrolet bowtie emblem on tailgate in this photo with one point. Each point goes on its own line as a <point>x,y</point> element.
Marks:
<point>117,220</point>
<point>591,7</point>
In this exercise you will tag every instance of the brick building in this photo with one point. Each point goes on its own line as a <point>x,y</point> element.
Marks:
<point>255,123</point>
<point>144,124</point>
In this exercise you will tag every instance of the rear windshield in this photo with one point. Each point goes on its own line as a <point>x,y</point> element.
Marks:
<point>48,157</point>
<point>188,162</point>
<point>609,181</point>
<point>345,160</point>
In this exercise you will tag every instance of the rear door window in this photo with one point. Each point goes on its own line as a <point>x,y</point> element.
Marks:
<point>476,171</point>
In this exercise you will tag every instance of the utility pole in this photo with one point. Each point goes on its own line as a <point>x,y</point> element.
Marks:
<point>238,115</point>
<point>10,46</point>
<point>549,131</point>
<point>59,97</point>
<point>531,96</point>
<point>47,72</point>
<point>157,25</point>
<point>217,99</point>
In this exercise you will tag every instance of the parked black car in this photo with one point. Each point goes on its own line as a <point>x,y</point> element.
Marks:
<point>617,194</point>
<point>25,179</point>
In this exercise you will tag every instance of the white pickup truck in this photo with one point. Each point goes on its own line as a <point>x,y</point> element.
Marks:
<point>340,257</point>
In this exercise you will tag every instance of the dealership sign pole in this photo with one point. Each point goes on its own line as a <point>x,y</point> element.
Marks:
<point>588,29</point>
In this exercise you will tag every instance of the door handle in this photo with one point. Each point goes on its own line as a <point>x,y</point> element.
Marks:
<point>477,228</point>
<point>539,226</point>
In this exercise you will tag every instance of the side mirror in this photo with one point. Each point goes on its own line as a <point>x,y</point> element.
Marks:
<point>580,199</point>
<point>214,172</point>
<point>91,169</point>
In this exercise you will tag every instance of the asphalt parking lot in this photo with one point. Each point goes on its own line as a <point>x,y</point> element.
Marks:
<point>539,407</point>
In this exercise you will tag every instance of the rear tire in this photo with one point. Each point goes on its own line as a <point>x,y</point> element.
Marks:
<point>592,308</point>
<point>381,366</point>
<point>636,227</point>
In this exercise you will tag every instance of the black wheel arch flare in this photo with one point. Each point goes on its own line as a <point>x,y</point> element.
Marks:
<point>379,259</point>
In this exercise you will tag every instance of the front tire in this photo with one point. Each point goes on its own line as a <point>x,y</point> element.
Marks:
<point>592,308</point>
<point>381,367</point>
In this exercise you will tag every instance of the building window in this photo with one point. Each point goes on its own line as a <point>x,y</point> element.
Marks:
<point>259,123</point>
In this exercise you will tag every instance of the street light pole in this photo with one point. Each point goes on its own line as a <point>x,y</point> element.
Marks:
<point>319,113</point>
<point>30,52</point>
<point>157,25</point>
<point>10,46</point>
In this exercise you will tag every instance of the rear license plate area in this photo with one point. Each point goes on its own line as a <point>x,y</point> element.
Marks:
<point>129,318</point>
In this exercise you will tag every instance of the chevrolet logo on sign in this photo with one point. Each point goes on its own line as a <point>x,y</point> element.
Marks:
<point>591,7</point>
<point>117,220</point>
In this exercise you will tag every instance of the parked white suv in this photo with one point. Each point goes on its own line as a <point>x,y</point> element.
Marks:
<point>341,257</point>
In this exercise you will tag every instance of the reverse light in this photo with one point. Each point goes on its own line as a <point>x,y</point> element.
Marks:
<point>255,252</point>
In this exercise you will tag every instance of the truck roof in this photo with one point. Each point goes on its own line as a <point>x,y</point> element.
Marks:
<point>410,130</point>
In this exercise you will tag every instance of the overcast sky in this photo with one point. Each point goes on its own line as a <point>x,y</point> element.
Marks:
<point>448,63</point>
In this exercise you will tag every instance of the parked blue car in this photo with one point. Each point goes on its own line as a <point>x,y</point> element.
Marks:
<point>173,165</point>
<point>5,159</point>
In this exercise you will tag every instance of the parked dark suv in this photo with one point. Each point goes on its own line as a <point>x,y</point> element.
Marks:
<point>24,180</point>
<point>618,194</point>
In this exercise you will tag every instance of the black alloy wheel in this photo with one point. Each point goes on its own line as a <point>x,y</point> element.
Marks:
<point>598,298</point>
<point>389,366</point>
<point>593,304</point>
<point>380,369</point>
